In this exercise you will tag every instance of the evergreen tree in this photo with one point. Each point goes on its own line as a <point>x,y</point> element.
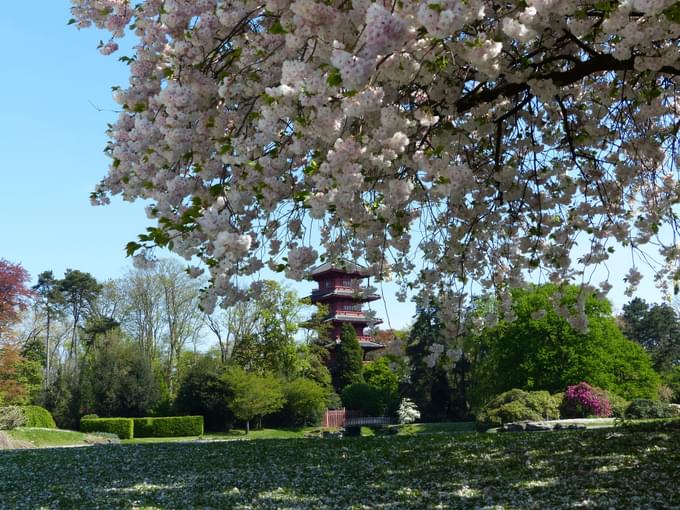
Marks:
<point>657,329</point>
<point>348,358</point>
<point>428,386</point>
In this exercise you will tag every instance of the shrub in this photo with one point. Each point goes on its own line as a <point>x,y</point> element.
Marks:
<point>582,400</point>
<point>408,411</point>
<point>36,416</point>
<point>122,427</point>
<point>617,404</point>
<point>518,405</point>
<point>305,402</point>
<point>363,397</point>
<point>646,408</point>
<point>666,393</point>
<point>25,416</point>
<point>11,417</point>
<point>170,426</point>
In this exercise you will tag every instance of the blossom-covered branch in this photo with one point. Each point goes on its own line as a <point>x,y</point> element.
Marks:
<point>442,142</point>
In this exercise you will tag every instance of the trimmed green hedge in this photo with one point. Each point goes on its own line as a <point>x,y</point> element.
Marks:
<point>169,426</point>
<point>122,427</point>
<point>36,416</point>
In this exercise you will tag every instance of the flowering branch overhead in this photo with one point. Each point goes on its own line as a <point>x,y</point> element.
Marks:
<point>481,140</point>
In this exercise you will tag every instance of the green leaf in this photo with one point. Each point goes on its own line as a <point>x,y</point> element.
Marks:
<point>131,248</point>
<point>673,13</point>
<point>334,78</point>
<point>277,29</point>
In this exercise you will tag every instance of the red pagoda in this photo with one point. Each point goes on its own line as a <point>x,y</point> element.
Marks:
<point>341,291</point>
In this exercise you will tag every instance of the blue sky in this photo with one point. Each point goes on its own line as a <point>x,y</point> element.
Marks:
<point>57,102</point>
<point>56,92</point>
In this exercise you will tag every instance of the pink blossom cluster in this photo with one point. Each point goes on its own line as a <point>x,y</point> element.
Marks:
<point>448,144</point>
<point>582,400</point>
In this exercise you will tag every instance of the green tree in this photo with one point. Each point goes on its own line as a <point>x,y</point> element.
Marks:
<point>348,358</point>
<point>51,301</point>
<point>369,399</point>
<point>312,364</point>
<point>540,350</point>
<point>383,373</point>
<point>117,379</point>
<point>305,402</point>
<point>79,291</point>
<point>253,395</point>
<point>204,391</point>
<point>657,329</point>
<point>431,385</point>
<point>262,331</point>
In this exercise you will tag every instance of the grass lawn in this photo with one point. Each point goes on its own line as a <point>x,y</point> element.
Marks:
<point>52,437</point>
<point>233,434</point>
<point>614,468</point>
<point>436,428</point>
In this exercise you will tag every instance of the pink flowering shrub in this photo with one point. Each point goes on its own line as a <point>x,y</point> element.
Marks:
<point>582,400</point>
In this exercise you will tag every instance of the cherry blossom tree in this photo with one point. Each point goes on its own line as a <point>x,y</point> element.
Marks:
<point>441,142</point>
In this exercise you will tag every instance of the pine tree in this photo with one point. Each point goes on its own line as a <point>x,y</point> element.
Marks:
<point>349,358</point>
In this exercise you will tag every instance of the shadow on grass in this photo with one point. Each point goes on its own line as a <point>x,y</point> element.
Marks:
<point>621,469</point>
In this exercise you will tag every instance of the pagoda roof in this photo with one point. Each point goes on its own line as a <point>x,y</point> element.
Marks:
<point>343,266</point>
<point>367,345</point>
<point>341,317</point>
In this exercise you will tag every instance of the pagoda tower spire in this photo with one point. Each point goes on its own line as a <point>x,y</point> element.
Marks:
<point>340,289</point>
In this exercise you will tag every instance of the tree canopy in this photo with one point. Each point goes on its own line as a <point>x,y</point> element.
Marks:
<point>348,358</point>
<point>657,329</point>
<point>504,133</point>
<point>540,350</point>
<point>14,293</point>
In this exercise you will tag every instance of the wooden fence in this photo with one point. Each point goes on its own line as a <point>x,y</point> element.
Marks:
<point>335,419</point>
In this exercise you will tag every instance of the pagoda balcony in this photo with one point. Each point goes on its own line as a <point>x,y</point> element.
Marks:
<point>343,292</point>
<point>351,316</point>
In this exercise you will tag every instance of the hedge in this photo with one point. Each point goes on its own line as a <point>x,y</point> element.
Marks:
<point>122,427</point>
<point>170,426</point>
<point>36,416</point>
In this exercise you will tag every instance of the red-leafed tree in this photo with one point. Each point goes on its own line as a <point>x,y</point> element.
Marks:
<point>12,387</point>
<point>14,293</point>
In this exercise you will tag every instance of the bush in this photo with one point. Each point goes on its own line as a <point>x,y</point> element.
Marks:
<point>122,427</point>
<point>617,404</point>
<point>646,408</point>
<point>36,416</point>
<point>11,417</point>
<point>407,412</point>
<point>25,416</point>
<point>170,426</point>
<point>305,403</point>
<point>518,405</point>
<point>582,400</point>
<point>363,397</point>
